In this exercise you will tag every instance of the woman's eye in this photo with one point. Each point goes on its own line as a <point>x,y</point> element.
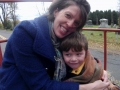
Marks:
<point>68,15</point>
<point>76,24</point>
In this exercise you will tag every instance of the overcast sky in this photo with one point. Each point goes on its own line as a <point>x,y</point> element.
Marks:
<point>30,10</point>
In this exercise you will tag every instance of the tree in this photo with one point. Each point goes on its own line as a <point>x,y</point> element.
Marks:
<point>115,17</point>
<point>109,17</point>
<point>4,14</point>
<point>118,13</point>
<point>7,13</point>
<point>41,8</point>
<point>105,14</point>
<point>13,16</point>
<point>95,16</point>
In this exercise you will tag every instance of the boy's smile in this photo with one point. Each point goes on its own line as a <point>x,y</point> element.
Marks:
<point>74,59</point>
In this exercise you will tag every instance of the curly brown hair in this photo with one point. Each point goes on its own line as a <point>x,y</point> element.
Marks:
<point>61,4</point>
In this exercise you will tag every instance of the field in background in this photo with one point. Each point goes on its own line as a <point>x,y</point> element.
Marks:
<point>96,40</point>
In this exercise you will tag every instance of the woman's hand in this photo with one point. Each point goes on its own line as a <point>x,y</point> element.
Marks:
<point>105,76</point>
<point>97,85</point>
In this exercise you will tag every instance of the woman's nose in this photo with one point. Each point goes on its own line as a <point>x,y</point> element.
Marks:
<point>70,23</point>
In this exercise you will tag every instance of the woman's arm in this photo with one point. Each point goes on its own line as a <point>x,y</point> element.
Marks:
<point>29,64</point>
<point>97,85</point>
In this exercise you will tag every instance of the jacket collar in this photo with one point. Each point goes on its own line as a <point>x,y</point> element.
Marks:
<point>43,44</point>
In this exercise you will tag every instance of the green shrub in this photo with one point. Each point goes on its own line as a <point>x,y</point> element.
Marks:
<point>1,26</point>
<point>8,25</point>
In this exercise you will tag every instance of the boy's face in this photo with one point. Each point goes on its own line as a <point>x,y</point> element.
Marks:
<point>74,59</point>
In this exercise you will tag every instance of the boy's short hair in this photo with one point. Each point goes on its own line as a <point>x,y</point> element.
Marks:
<point>76,41</point>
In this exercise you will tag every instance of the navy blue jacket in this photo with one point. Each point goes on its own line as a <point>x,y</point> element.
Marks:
<point>28,62</point>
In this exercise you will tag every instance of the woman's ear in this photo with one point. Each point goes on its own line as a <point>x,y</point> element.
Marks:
<point>55,12</point>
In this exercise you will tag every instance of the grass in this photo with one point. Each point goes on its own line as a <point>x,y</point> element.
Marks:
<point>98,36</point>
<point>96,40</point>
<point>113,80</point>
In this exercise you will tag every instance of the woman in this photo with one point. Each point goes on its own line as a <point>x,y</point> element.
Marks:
<point>29,63</point>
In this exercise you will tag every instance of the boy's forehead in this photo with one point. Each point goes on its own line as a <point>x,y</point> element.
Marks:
<point>76,49</point>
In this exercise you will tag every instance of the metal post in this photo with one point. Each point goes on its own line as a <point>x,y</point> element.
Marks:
<point>105,50</point>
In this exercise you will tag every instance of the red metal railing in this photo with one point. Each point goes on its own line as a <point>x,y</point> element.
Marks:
<point>1,41</point>
<point>26,0</point>
<point>105,30</point>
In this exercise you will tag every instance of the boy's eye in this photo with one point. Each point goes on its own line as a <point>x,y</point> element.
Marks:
<point>67,54</point>
<point>79,54</point>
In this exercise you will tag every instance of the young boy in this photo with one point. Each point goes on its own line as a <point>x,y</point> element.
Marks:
<point>82,67</point>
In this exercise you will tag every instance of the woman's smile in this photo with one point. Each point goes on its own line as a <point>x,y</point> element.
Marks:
<point>65,21</point>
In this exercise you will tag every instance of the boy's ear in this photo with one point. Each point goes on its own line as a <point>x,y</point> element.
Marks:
<point>86,53</point>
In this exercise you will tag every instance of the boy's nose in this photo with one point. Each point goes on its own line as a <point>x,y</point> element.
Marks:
<point>73,59</point>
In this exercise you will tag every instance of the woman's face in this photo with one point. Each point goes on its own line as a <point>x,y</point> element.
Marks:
<point>66,21</point>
